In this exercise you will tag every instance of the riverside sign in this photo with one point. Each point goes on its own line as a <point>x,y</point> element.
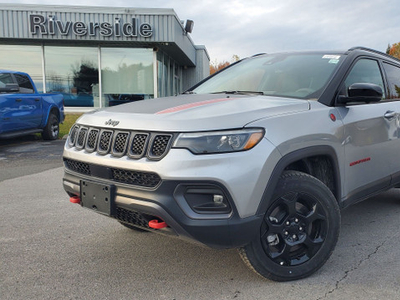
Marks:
<point>51,26</point>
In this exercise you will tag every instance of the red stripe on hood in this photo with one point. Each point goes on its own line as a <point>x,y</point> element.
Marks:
<point>190,105</point>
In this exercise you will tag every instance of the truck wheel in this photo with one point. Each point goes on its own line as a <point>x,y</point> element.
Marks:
<point>50,132</point>
<point>299,230</point>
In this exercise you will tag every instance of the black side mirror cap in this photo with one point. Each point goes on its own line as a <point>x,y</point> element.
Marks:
<point>362,92</point>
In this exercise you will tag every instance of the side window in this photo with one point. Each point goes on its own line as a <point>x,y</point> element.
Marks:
<point>25,85</point>
<point>365,71</point>
<point>393,78</point>
<point>5,78</point>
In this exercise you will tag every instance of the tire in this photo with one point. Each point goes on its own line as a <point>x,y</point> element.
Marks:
<point>132,227</point>
<point>299,230</point>
<point>50,132</point>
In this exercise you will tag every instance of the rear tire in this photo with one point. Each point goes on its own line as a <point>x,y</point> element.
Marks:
<point>299,230</point>
<point>52,129</point>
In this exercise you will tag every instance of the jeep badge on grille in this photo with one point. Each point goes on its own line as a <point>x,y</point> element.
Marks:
<point>112,122</point>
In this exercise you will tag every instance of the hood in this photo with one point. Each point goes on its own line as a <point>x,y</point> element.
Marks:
<point>192,112</point>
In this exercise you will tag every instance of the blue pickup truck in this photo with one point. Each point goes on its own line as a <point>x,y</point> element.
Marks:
<point>24,111</point>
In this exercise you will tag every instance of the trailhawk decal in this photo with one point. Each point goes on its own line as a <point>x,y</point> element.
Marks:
<point>190,105</point>
<point>364,160</point>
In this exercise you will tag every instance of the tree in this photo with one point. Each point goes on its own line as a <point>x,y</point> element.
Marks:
<point>395,50</point>
<point>216,66</point>
<point>388,49</point>
<point>85,75</point>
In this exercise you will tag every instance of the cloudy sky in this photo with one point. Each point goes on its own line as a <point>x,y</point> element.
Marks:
<point>247,27</point>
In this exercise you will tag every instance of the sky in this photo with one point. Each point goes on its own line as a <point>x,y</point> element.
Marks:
<point>248,27</point>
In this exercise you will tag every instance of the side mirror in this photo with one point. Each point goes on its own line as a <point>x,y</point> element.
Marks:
<point>10,88</point>
<point>362,92</point>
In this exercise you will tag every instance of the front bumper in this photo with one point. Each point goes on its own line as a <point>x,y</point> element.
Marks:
<point>136,206</point>
<point>153,189</point>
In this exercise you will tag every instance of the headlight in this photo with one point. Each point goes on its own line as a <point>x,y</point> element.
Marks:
<point>219,141</point>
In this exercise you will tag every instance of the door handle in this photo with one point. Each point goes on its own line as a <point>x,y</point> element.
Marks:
<point>18,100</point>
<point>390,114</point>
<point>37,99</point>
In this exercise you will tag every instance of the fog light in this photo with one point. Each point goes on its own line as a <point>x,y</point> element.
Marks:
<point>205,199</point>
<point>218,199</point>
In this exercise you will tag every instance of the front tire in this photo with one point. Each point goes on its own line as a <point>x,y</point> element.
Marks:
<point>52,129</point>
<point>299,230</point>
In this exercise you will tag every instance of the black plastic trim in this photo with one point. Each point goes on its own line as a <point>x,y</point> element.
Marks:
<point>196,187</point>
<point>19,133</point>
<point>231,232</point>
<point>366,191</point>
<point>295,156</point>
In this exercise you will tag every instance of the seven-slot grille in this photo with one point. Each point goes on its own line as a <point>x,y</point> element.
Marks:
<point>119,143</point>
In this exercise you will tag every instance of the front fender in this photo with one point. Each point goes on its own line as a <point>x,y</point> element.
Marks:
<point>291,158</point>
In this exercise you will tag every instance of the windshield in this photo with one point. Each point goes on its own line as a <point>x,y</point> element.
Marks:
<point>297,75</point>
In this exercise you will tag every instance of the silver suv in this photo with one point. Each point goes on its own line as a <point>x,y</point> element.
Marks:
<point>260,156</point>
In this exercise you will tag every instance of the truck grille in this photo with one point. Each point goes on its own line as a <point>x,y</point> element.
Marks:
<point>138,178</point>
<point>118,143</point>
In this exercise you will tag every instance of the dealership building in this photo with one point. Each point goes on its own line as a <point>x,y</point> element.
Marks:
<point>101,56</point>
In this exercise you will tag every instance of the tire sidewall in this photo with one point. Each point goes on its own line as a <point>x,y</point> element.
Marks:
<point>303,183</point>
<point>48,133</point>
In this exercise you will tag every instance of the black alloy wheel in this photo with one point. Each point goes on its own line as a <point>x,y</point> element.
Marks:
<point>299,230</point>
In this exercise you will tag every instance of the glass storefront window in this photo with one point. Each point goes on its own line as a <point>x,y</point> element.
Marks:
<point>24,58</point>
<point>126,75</point>
<point>74,72</point>
<point>169,76</point>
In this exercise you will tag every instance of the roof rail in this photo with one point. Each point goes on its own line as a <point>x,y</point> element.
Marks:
<point>374,51</point>
<point>258,54</point>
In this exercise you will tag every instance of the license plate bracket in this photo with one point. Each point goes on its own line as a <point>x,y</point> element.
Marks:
<point>98,197</point>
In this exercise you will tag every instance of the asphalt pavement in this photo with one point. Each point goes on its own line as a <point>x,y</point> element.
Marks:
<point>53,249</point>
<point>28,155</point>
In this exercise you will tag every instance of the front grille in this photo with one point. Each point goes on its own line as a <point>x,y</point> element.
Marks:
<point>138,145</point>
<point>132,217</point>
<point>119,143</point>
<point>145,179</point>
<point>159,145</point>
<point>73,134</point>
<point>105,141</point>
<point>91,142</point>
<point>138,178</point>
<point>80,143</point>
<point>77,166</point>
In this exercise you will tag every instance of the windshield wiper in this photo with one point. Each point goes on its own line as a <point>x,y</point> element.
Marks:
<point>240,92</point>
<point>189,93</point>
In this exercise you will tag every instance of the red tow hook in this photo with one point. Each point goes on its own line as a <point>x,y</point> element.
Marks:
<point>155,224</point>
<point>75,199</point>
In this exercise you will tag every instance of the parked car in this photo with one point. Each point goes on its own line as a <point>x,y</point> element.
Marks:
<point>24,111</point>
<point>260,156</point>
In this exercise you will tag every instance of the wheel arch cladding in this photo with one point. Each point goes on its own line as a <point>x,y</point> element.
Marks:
<point>320,162</point>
